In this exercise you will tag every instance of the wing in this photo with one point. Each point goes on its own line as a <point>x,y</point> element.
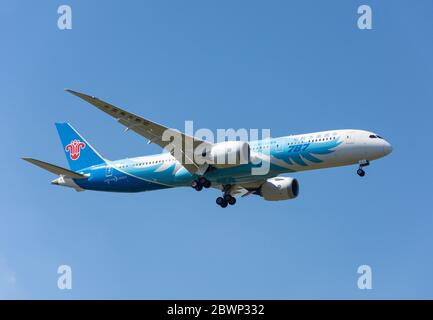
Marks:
<point>153,131</point>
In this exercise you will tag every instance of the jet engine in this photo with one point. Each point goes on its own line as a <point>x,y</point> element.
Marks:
<point>279,188</point>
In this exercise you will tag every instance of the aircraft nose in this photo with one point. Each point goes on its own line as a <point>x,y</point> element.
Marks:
<point>387,148</point>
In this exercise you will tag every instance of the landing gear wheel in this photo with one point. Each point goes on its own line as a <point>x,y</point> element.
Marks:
<point>204,182</point>
<point>229,199</point>
<point>232,201</point>
<point>197,185</point>
<point>207,184</point>
<point>221,202</point>
<point>360,172</point>
<point>362,164</point>
<point>200,183</point>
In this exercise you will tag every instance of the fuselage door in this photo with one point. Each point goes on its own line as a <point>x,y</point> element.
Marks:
<point>108,171</point>
<point>350,137</point>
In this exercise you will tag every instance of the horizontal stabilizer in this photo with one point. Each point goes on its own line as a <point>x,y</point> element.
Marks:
<point>56,169</point>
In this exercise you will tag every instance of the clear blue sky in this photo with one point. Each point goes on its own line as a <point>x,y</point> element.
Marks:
<point>292,66</point>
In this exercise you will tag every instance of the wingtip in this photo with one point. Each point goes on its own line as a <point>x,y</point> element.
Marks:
<point>71,91</point>
<point>80,94</point>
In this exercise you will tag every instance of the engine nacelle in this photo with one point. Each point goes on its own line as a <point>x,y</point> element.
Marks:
<point>280,188</point>
<point>229,154</point>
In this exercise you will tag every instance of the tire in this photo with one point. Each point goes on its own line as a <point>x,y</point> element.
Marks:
<point>199,187</point>
<point>207,184</point>
<point>224,204</point>
<point>232,201</point>
<point>219,200</point>
<point>360,172</point>
<point>227,197</point>
<point>202,180</point>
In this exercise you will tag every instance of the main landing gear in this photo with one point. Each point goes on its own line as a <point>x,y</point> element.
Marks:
<point>360,171</point>
<point>224,201</point>
<point>227,199</point>
<point>201,183</point>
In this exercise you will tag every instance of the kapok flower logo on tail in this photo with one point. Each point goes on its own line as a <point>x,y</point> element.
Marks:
<point>74,149</point>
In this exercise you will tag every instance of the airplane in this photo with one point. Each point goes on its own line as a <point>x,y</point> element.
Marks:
<point>89,170</point>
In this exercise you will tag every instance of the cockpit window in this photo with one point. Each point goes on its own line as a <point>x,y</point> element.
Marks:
<point>372,136</point>
<point>380,137</point>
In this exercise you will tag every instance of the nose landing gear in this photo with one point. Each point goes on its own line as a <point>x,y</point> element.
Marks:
<point>360,171</point>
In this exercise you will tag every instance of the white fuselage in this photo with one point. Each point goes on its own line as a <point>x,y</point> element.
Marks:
<point>279,155</point>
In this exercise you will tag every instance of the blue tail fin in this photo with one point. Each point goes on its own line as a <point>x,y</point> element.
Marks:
<point>79,152</point>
